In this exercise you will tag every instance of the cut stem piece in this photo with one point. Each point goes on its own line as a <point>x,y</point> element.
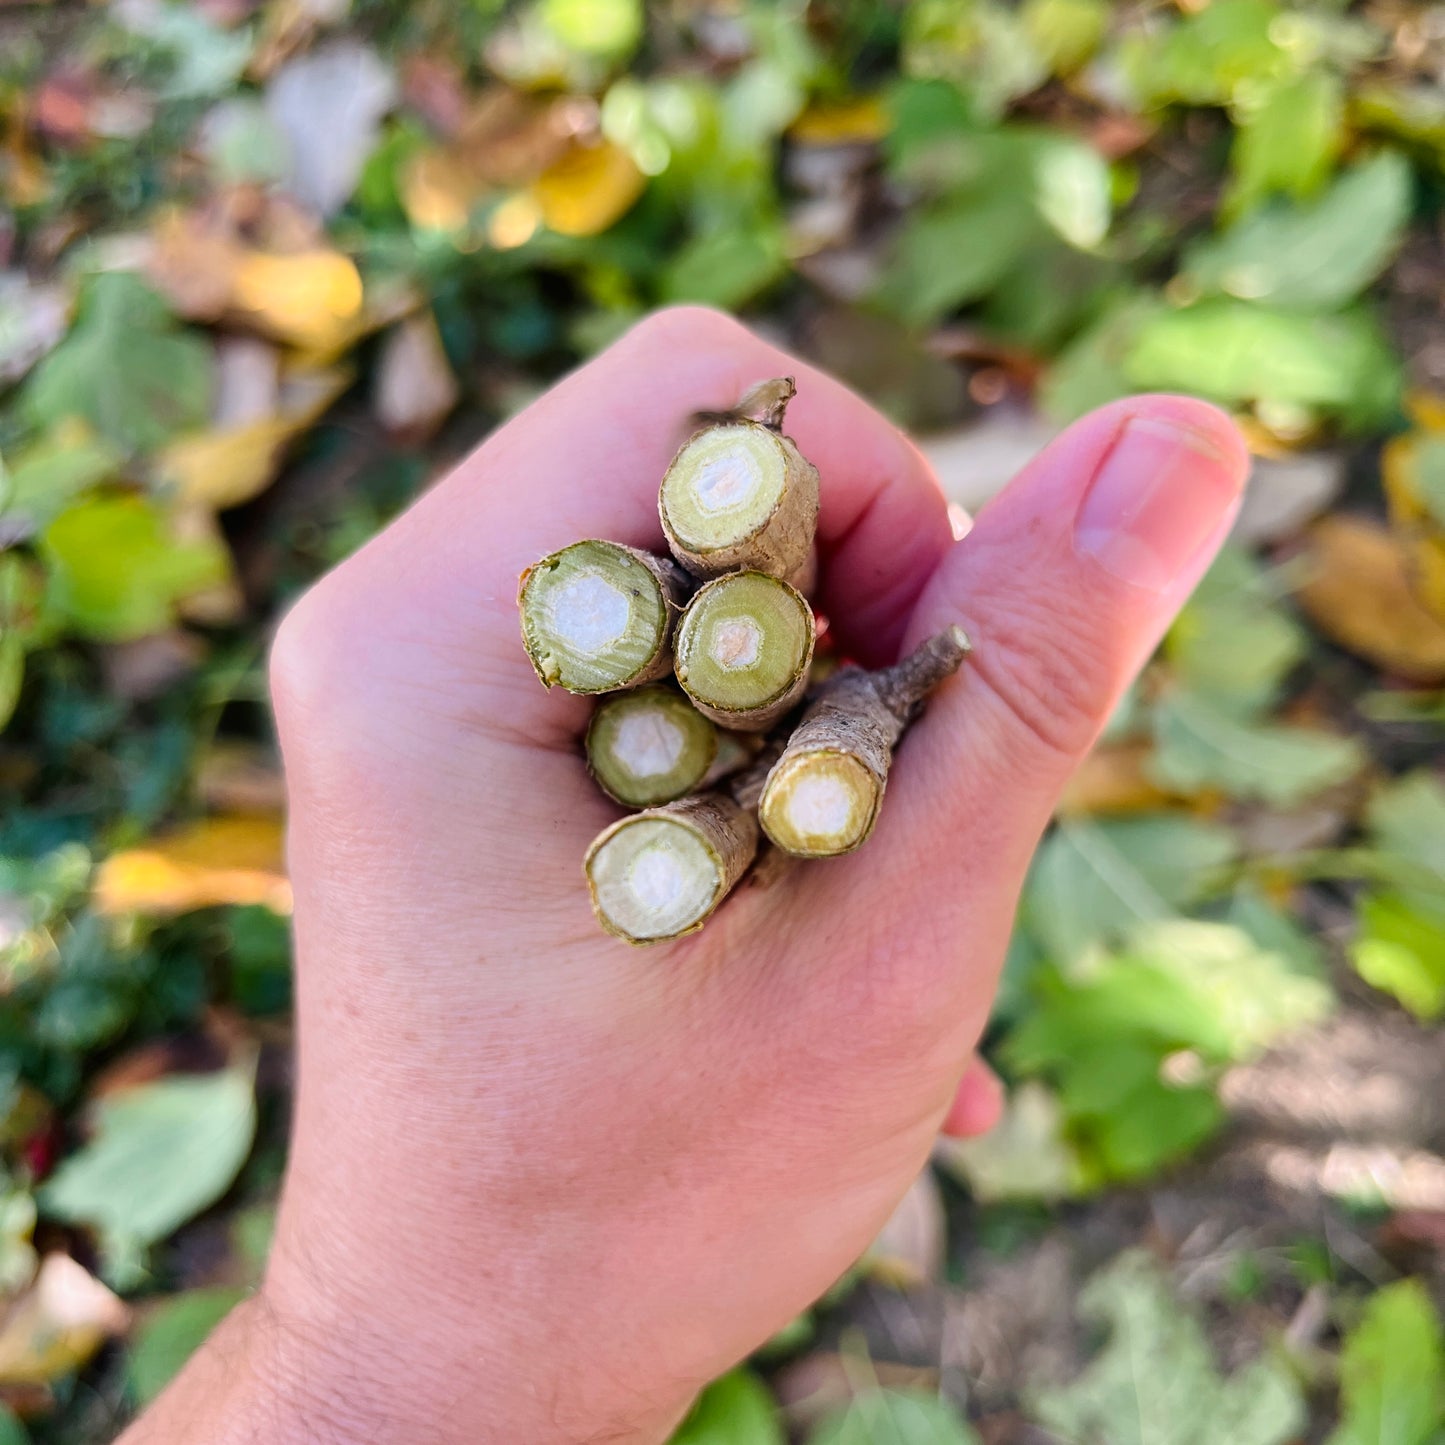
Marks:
<point>659,874</point>
<point>649,746</point>
<point>822,797</point>
<point>740,494</point>
<point>743,649</point>
<point>598,616</point>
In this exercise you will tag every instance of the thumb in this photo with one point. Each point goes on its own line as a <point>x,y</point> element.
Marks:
<point>1065,585</point>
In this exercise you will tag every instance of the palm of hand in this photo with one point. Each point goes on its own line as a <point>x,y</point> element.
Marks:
<point>535,1134</point>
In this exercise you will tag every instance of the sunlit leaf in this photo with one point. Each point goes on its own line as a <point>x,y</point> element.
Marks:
<point>171,1333</point>
<point>1287,141</point>
<point>55,469</point>
<point>735,1410</point>
<point>1206,58</point>
<point>126,369</point>
<point>1236,352</point>
<point>161,1153</point>
<point>982,45</point>
<point>1400,949</point>
<point>607,28</point>
<point>1065,33</point>
<point>216,861</point>
<point>1318,255</point>
<point>307,298</point>
<point>1392,1371</point>
<point>117,570</point>
<point>1155,1381</point>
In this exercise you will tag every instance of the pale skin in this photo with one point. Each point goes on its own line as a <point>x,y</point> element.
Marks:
<point>544,1186</point>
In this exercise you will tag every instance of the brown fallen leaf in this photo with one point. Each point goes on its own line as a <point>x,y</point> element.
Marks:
<point>1404,464</point>
<point>1357,592</point>
<point>415,387</point>
<point>1114,778</point>
<point>217,861</point>
<point>57,1324</point>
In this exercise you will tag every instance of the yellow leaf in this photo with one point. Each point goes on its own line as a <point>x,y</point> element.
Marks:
<point>58,1324</point>
<point>1358,594</point>
<point>438,190</point>
<point>847,122</point>
<point>218,861</point>
<point>588,189</point>
<point>306,299</point>
<point>228,466</point>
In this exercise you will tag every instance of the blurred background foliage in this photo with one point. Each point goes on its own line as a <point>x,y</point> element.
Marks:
<point>268,266</point>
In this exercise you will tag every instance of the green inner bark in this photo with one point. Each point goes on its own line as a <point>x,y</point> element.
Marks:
<point>654,877</point>
<point>593,617</point>
<point>723,486</point>
<point>742,641</point>
<point>650,746</point>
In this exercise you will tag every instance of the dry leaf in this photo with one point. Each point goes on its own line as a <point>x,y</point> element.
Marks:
<point>218,861</point>
<point>228,466</point>
<point>415,388</point>
<point>1114,778</point>
<point>1417,517</point>
<point>1358,594</point>
<point>588,189</point>
<point>58,1324</point>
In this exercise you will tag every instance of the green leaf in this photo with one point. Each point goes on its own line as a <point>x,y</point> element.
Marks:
<point>1407,817</point>
<point>1275,932</point>
<point>982,46</point>
<point>12,674</point>
<point>115,572</point>
<point>1235,352</point>
<point>1093,883</point>
<point>162,1152</point>
<point>12,1431</point>
<point>125,368</point>
<point>724,268</point>
<point>893,1417</point>
<point>171,1334</point>
<point>1199,746</point>
<point>1232,642</point>
<point>1287,143</point>
<point>1392,1371</point>
<point>1401,951</point>
<point>47,477</point>
<point>1072,185</point>
<point>1065,33</point>
<point>956,253</point>
<point>1156,1383</point>
<point>1318,256</point>
<point>735,1410</point>
<point>1091,371</point>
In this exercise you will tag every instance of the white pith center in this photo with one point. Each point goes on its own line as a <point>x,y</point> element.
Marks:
<point>587,613</point>
<point>820,807</point>
<point>725,482</point>
<point>736,644</point>
<point>648,744</point>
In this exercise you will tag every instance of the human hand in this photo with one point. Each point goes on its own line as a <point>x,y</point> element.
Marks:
<point>544,1186</point>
